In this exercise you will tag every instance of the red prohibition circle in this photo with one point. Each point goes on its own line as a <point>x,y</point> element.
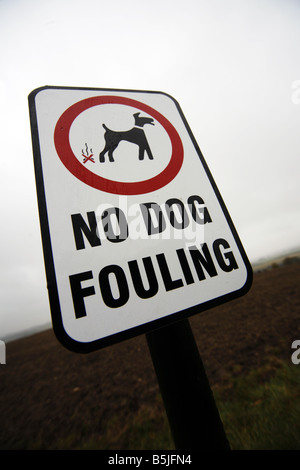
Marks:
<point>66,155</point>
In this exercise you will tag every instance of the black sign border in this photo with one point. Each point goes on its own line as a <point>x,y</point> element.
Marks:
<point>61,334</point>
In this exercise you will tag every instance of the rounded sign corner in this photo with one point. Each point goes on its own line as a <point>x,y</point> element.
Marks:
<point>167,95</point>
<point>70,343</point>
<point>249,280</point>
<point>34,92</point>
<point>245,288</point>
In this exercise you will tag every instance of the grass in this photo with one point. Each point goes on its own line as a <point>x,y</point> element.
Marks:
<point>148,429</point>
<point>260,411</point>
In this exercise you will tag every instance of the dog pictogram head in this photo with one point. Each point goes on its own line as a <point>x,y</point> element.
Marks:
<point>141,121</point>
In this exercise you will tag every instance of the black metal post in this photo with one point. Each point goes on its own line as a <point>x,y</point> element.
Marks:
<point>192,413</point>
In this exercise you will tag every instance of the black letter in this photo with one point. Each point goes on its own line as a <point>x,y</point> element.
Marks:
<point>171,214</point>
<point>229,255</point>
<point>137,278</point>
<point>78,293</point>
<point>206,261</point>
<point>145,209</point>
<point>90,232</point>
<point>185,266</point>
<point>105,287</point>
<point>109,232</point>
<point>202,215</point>
<point>168,281</point>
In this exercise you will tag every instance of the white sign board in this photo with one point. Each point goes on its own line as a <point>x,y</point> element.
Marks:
<point>134,230</point>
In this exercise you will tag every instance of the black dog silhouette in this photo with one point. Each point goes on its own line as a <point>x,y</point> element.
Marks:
<point>136,135</point>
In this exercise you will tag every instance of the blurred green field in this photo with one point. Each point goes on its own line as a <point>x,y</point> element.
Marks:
<point>260,411</point>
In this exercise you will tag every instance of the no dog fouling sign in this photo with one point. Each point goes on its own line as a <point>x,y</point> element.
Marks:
<point>135,233</point>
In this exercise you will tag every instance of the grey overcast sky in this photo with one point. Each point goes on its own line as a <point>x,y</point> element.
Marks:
<point>234,68</point>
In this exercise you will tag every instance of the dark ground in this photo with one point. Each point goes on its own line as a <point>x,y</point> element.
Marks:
<point>48,393</point>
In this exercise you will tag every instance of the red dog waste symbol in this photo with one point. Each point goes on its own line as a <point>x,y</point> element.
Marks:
<point>88,157</point>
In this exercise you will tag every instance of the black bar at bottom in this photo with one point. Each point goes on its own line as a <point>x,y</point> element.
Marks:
<point>192,413</point>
